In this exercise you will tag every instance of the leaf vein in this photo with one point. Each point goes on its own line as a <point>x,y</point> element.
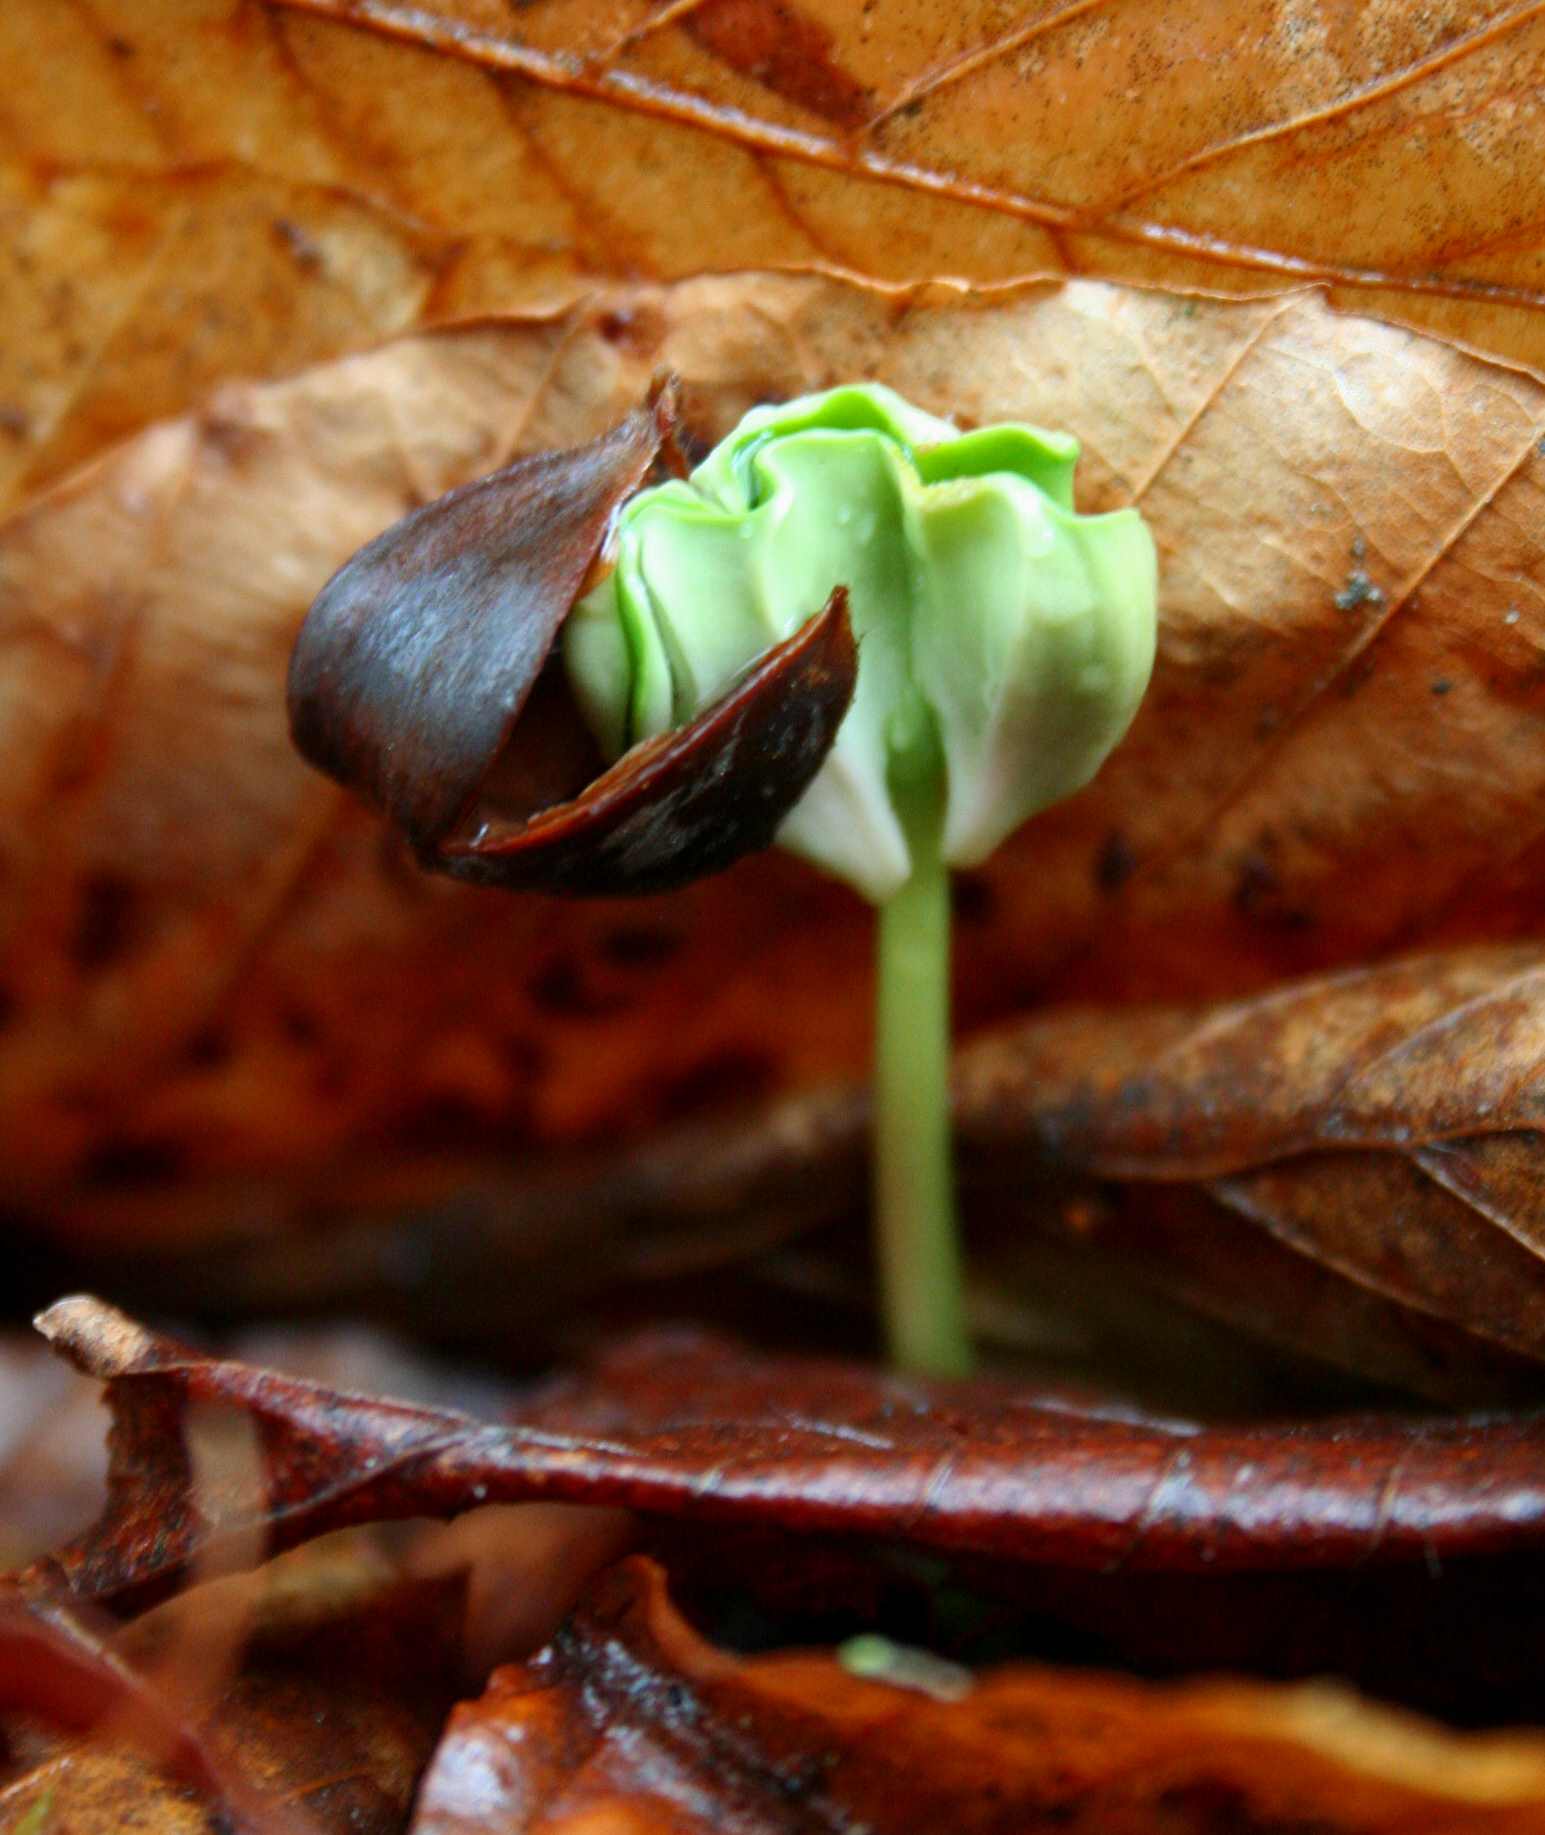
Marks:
<point>1322,689</point>
<point>1343,107</point>
<point>629,90</point>
<point>1214,391</point>
<point>968,62</point>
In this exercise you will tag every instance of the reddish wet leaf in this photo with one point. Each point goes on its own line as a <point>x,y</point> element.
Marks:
<point>630,1722</point>
<point>689,1428</point>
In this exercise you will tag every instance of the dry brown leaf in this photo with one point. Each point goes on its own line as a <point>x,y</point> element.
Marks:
<point>213,188</point>
<point>203,190</point>
<point>1384,1123</point>
<point>323,1722</point>
<point>1374,147</point>
<point>212,963</point>
<point>630,1722</point>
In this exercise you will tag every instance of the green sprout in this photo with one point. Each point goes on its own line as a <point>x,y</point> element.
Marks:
<point>1005,642</point>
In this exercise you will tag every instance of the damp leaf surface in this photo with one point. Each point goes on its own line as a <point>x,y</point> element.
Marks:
<point>632,1720</point>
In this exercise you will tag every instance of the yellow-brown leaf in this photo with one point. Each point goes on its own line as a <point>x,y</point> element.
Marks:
<point>199,189</point>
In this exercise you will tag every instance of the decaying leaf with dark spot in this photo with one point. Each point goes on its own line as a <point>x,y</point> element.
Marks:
<point>419,657</point>
<point>631,1722</point>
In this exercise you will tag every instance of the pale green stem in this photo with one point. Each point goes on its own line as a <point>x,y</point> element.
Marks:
<point>914,1184</point>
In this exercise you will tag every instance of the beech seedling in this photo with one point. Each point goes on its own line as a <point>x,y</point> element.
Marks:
<point>853,629</point>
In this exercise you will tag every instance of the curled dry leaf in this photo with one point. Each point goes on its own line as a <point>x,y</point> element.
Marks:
<point>1384,1123</point>
<point>239,189</point>
<point>630,1721</point>
<point>630,1717</point>
<point>53,1464</point>
<point>212,966</point>
<point>687,1428</point>
<point>51,1456</point>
